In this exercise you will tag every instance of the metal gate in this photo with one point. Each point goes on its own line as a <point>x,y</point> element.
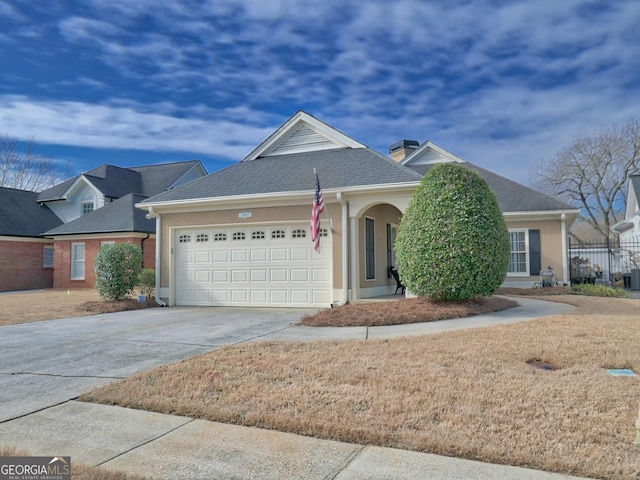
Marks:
<point>609,262</point>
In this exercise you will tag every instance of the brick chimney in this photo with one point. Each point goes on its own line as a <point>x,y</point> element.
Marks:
<point>402,149</point>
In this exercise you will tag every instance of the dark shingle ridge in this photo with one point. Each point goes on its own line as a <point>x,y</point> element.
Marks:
<point>337,168</point>
<point>512,196</point>
<point>117,216</point>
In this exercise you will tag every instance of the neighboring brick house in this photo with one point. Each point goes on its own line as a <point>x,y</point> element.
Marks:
<point>51,238</point>
<point>26,259</point>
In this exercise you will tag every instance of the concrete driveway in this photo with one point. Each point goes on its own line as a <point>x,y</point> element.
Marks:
<point>50,362</point>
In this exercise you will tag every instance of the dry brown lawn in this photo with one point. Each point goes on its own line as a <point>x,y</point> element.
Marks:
<point>33,306</point>
<point>79,471</point>
<point>406,310</point>
<point>468,393</point>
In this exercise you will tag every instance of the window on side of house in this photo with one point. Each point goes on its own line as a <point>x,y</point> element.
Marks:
<point>369,248</point>
<point>47,257</point>
<point>87,207</point>
<point>519,255</point>
<point>77,261</point>
<point>392,232</point>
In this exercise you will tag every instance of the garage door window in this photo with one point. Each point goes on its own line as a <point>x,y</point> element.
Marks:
<point>324,232</point>
<point>277,234</point>
<point>299,234</point>
<point>220,237</point>
<point>239,236</point>
<point>184,238</point>
<point>257,236</point>
<point>202,237</point>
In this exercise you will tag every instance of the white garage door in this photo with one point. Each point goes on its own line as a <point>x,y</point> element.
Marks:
<point>256,266</point>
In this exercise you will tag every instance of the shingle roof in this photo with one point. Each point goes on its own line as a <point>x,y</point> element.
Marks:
<point>338,168</point>
<point>115,182</point>
<point>512,196</point>
<point>21,215</point>
<point>117,216</point>
<point>158,178</point>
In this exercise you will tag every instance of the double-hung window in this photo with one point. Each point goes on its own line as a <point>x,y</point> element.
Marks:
<point>77,261</point>
<point>47,257</point>
<point>519,254</point>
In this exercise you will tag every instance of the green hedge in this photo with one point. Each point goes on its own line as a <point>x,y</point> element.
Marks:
<point>452,242</point>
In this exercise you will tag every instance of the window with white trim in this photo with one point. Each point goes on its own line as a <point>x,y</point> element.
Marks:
<point>519,254</point>
<point>77,261</point>
<point>202,237</point>
<point>392,233</point>
<point>87,207</point>
<point>299,233</point>
<point>107,242</point>
<point>239,236</point>
<point>259,235</point>
<point>184,239</point>
<point>220,237</point>
<point>278,234</point>
<point>323,232</point>
<point>369,249</point>
<point>47,257</point>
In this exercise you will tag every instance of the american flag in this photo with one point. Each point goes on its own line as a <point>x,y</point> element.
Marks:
<point>318,208</point>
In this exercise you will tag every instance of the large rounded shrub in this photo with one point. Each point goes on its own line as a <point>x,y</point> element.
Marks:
<point>117,269</point>
<point>452,242</point>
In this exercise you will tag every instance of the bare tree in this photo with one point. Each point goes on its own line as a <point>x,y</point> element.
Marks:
<point>25,169</point>
<point>593,172</point>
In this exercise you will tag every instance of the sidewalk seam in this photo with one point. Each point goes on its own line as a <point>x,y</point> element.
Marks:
<point>151,439</point>
<point>38,410</point>
<point>345,464</point>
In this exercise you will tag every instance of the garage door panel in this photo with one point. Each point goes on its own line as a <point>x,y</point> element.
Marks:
<point>273,265</point>
<point>278,274</point>
<point>258,254</point>
<point>238,256</point>
<point>239,276</point>
<point>299,254</point>
<point>299,275</point>
<point>278,254</point>
<point>220,256</point>
<point>258,276</point>
<point>300,297</point>
<point>220,276</point>
<point>202,257</point>
<point>239,296</point>
<point>258,296</point>
<point>202,276</point>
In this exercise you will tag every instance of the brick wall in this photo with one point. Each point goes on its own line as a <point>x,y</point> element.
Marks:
<point>21,266</point>
<point>62,259</point>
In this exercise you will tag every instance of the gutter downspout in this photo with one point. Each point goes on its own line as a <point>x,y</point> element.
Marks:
<point>345,251</point>
<point>151,215</point>
<point>142,247</point>
<point>565,254</point>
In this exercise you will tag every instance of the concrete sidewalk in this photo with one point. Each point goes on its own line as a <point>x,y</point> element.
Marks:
<point>172,447</point>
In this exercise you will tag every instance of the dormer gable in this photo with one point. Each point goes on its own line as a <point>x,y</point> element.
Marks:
<point>429,153</point>
<point>302,133</point>
<point>632,197</point>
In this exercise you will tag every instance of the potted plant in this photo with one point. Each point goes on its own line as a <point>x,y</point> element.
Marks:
<point>146,284</point>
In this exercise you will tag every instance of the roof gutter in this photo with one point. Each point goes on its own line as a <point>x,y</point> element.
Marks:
<point>262,197</point>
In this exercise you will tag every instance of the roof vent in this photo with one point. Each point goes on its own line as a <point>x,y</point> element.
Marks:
<point>402,149</point>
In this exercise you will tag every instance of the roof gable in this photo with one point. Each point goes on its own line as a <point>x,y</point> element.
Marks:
<point>300,134</point>
<point>632,197</point>
<point>117,216</point>
<point>430,153</point>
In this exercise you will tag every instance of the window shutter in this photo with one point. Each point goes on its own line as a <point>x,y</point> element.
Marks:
<point>535,261</point>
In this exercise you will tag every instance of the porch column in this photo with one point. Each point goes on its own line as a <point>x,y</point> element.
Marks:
<point>355,258</point>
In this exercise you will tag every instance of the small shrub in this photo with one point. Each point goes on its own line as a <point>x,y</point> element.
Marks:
<point>147,281</point>
<point>453,243</point>
<point>117,270</point>
<point>598,290</point>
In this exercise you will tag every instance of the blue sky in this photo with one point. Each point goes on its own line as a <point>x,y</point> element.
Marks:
<point>503,84</point>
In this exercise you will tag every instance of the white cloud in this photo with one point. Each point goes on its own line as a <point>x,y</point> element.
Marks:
<point>122,127</point>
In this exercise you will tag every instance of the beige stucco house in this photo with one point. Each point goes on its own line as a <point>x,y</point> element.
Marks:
<point>241,236</point>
